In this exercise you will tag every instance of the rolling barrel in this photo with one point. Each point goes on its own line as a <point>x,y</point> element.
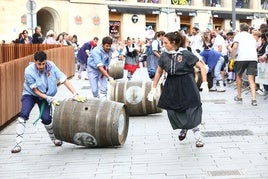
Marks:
<point>134,95</point>
<point>95,123</point>
<point>116,69</point>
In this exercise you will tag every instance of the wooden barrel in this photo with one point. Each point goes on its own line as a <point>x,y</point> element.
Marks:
<point>116,69</point>
<point>134,95</point>
<point>96,123</point>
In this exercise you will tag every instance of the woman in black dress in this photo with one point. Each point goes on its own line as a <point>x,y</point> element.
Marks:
<point>180,95</point>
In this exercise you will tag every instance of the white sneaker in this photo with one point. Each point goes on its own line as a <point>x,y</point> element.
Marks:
<point>261,92</point>
<point>221,89</point>
<point>213,88</point>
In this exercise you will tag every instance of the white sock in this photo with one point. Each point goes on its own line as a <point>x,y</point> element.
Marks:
<point>50,132</point>
<point>21,124</point>
<point>197,134</point>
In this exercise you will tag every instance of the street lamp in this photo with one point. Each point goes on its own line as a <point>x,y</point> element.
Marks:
<point>31,16</point>
<point>233,15</point>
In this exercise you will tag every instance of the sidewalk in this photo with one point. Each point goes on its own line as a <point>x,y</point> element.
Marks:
<point>235,136</point>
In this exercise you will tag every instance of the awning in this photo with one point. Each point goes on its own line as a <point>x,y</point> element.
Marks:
<point>134,10</point>
<point>228,15</point>
<point>184,12</point>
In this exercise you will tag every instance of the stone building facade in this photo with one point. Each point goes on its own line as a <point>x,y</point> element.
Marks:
<point>127,18</point>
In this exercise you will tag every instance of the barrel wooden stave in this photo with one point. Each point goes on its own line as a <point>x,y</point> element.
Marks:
<point>134,95</point>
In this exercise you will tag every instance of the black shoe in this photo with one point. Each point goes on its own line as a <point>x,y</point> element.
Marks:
<point>237,99</point>
<point>199,143</point>
<point>57,142</point>
<point>182,134</point>
<point>254,103</point>
<point>16,149</point>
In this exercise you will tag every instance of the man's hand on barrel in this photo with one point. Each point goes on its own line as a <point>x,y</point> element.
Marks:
<point>111,80</point>
<point>152,94</point>
<point>79,98</point>
<point>51,100</point>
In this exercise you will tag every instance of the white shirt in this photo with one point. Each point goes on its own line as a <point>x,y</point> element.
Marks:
<point>196,42</point>
<point>246,50</point>
<point>219,41</point>
<point>155,44</point>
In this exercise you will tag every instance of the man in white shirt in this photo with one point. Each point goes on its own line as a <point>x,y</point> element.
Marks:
<point>245,55</point>
<point>196,41</point>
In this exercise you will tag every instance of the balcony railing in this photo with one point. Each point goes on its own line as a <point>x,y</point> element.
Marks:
<point>149,1</point>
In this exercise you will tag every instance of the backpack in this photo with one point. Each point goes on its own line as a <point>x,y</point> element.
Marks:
<point>150,49</point>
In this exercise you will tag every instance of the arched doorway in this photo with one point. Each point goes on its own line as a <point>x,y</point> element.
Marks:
<point>48,19</point>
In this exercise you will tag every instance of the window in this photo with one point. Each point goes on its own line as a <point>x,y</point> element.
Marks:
<point>114,29</point>
<point>213,3</point>
<point>242,3</point>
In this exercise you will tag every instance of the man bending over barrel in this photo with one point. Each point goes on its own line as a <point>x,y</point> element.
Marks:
<point>40,86</point>
<point>97,68</point>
